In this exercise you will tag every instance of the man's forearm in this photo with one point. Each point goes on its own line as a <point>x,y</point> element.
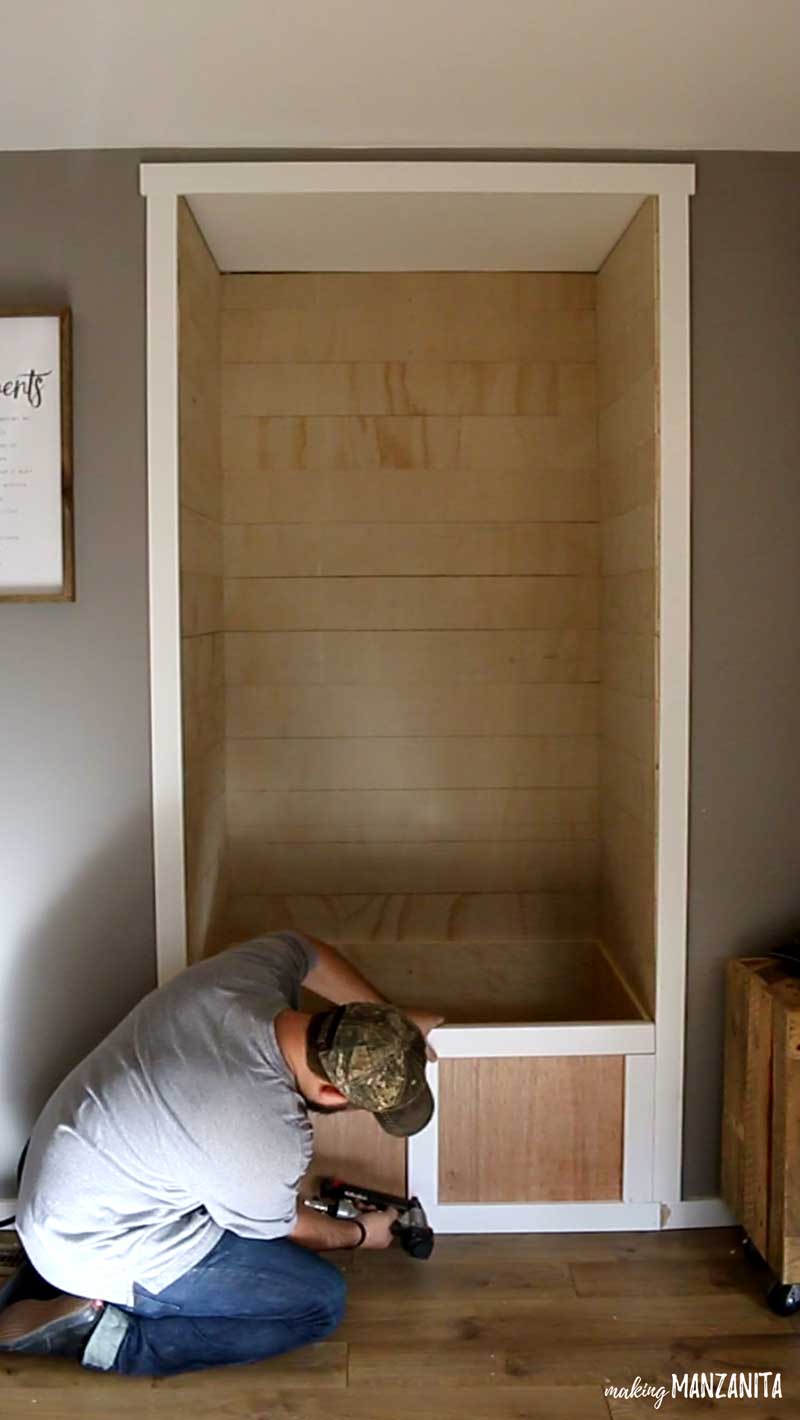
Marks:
<point>321,1233</point>
<point>337,980</point>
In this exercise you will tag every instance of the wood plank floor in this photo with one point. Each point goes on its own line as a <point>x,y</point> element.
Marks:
<point>505,1328</point>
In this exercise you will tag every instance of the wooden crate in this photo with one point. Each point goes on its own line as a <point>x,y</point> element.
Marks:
<point>761,1111</point>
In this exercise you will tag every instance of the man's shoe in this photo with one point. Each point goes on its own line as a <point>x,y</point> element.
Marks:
<point>23,1283</point>
<point>58,1327</point>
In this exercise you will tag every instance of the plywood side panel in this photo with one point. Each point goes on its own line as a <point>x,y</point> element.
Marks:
<point>200,474</point>
<point>535,1130</point>
<point>352,1146</point>
<point>627,382</point>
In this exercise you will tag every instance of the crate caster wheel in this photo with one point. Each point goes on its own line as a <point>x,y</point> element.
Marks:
<point>750,1252</point>
<point>783,1300</point>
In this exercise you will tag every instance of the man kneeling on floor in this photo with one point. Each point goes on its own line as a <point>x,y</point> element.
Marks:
<point>160,1188</point>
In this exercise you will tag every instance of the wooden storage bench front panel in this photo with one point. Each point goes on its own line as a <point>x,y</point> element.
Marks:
<point>538,1129</point>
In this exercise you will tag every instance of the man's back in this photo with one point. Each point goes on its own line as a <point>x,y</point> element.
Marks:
<point>186,1120</point>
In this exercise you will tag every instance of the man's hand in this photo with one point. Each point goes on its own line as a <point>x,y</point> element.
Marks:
<point>427,1021</point>
<point>378,1224</point>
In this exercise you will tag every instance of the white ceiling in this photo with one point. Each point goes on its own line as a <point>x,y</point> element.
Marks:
<point>412,231</point>
<point>543,74</point>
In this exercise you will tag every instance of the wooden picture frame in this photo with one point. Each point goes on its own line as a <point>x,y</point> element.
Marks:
<point>66,592</point>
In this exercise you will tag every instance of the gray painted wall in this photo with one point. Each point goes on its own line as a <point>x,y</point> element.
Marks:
<point>744,857</point>
<point>76,942</point>
<point>76,927</point>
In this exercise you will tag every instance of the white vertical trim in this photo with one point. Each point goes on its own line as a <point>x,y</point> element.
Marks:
<point>674,629</point>
<point>164,548</point>
<point>422,1158</point>
<point>637,1146</point>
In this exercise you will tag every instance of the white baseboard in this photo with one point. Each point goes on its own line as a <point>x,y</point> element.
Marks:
<point>697,1213</point>
<point>543,1217</point>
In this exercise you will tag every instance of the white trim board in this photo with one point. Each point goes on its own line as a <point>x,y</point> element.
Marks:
<point>672,185</point>
<point>557,1038</point>
<point>427,175</point>
<point>543,1217</point>
<point>697,1213</point>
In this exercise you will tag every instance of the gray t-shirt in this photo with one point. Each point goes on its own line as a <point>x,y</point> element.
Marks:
<point>183,1122</point>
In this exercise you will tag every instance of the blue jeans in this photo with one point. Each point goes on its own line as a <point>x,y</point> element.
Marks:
<point>247,1300</point>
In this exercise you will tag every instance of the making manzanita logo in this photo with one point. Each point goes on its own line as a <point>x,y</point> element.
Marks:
<point>25,387</point>
<point>704,1385</point>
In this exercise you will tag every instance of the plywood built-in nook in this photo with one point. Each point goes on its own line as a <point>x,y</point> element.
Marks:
<point>419,516</point>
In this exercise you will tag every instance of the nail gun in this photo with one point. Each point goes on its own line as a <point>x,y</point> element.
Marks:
<point>340,1200</point>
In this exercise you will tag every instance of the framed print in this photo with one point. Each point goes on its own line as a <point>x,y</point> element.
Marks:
<point>36,513</point>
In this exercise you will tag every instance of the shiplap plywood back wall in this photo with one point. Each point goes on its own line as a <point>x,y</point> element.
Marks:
<point>411,550</point>
<point>201,588</point>
<point>627,322</point>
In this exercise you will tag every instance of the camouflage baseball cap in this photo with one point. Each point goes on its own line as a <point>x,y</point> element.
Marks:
<point>376,1056</point>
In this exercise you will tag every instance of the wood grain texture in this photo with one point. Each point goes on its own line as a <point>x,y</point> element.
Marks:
<point>418,815</point>
<point>757,1108</point>
<point>434,296</point>
<point>784,1195</point>
<point>373,388</point>
<point>518,1328</point>
<point>411,549</point>
<point>435,443</point>
<point>533,1130</point>
<point>528,981</point>
<point>420,918</point>
<point>412,658</point>
<point>410,603</point>
<point>416,762</point>
<point>411,546</point>
<point>495,494</point>
<point>387,867</point>
<point>352,1146</point>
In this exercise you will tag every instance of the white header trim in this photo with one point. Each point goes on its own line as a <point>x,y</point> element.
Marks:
<point>365,175</point>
